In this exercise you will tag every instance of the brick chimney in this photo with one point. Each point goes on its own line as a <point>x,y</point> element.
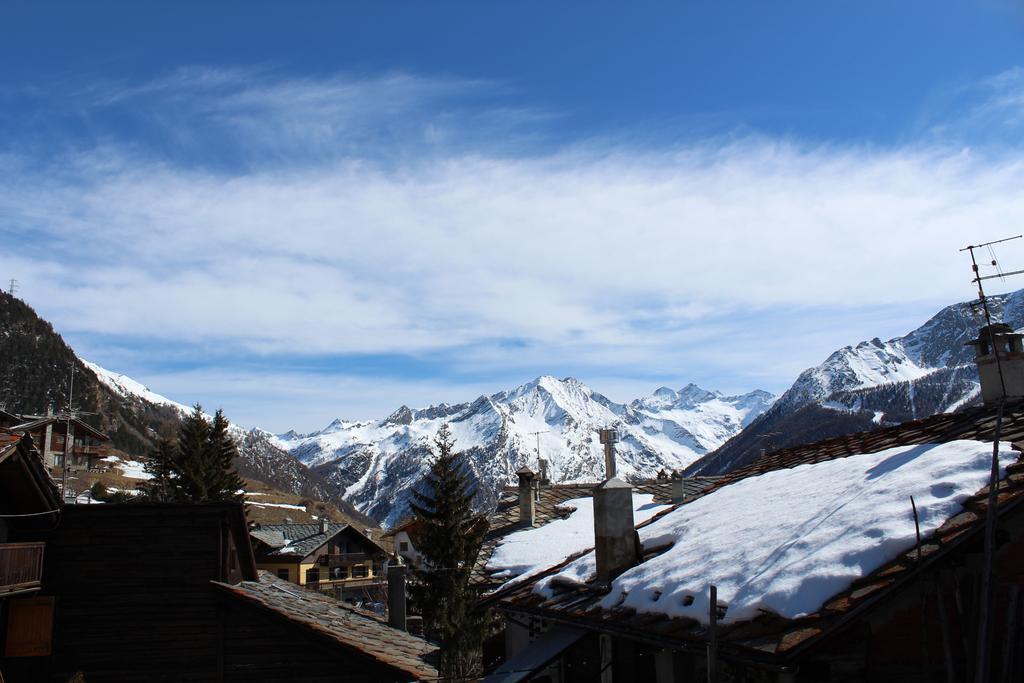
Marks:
<point>999,338</point>
<point>615,539</point>
<point>527,504</point>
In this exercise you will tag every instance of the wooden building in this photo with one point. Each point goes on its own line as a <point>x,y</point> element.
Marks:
<point>29,506</point>
<point>322,555</point>
<point>162,592</point>
<point>49,433</point>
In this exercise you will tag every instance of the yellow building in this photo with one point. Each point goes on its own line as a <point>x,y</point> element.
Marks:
<point>320,555</point>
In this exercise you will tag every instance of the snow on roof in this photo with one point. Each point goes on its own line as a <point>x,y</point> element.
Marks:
<point>787,540</point>
<point>528,552</point>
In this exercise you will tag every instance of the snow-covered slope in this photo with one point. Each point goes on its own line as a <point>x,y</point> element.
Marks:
<point>925,372</point>
<point>377,462</point>
<point>127,387</point>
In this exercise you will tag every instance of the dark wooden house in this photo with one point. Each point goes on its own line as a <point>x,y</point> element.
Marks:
<point>159,592</point>
<point>29,506</point>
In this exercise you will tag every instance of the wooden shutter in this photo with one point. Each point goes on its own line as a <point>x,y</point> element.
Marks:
<point>29,627</point>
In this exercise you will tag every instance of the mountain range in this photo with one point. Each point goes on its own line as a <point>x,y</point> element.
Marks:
<point>374,462</point>
<point>874,383</point>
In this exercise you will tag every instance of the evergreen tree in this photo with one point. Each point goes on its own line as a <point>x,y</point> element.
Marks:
<point>162,486</point>
<point>225,482</point>
<point>203,469</point>
<point>449,535</point>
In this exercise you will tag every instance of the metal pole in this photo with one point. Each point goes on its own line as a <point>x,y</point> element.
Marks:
<point>713,635</point>
<point>982,669</point>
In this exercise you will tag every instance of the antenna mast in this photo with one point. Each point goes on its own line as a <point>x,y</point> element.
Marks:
<point>982,670</point>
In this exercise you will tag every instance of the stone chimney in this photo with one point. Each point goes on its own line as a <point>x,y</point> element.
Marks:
<point>527,504</point>
<point>1000,339</point>
<point>323,525</point>
<point>678,495</point>
<point>544,481</point>
<point>396,594</point>
<point>615,539</point>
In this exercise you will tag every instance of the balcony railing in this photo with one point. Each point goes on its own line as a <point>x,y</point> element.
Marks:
<point>21,566</point>
<point>344,559</point>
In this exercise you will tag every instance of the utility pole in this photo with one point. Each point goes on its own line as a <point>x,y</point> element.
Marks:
<point>67,438</point>
<point>982,672</point>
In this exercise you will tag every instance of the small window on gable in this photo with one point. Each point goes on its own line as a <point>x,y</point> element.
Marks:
<point>404,546</point>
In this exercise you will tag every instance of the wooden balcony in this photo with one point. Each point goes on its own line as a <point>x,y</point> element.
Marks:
<point>344,559</point>
<point>21,567</point>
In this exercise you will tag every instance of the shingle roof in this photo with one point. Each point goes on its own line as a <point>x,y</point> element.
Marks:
<point>348,626</point>
<point>294,539</point>
<point>550,506</point>
<point>301,539</point>
<point>35,422</point>
<point>772,636</point>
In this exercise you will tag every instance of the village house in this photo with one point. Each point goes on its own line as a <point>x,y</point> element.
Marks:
<point>29,505</point>
<point>818,572</point>
<point>168,592</point>
<point>322,556</point>
<point>401,536</point>
<point>88,446</point>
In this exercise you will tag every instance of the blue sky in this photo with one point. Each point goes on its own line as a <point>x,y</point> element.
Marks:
<point>325,210</point>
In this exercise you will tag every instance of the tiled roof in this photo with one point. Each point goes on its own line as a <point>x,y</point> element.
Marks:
<point>34,422</point>
<point>294,539</point>
<point>770,636</point>
<point>9,442</point>
<point>301,539</point>
<point>550,506</point>
<point>348,626</point>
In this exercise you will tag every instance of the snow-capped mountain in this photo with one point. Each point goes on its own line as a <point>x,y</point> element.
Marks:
<point>377,462</point>
<point>925,372</point>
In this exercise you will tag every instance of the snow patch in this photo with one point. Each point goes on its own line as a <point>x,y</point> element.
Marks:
<point>528,552</point>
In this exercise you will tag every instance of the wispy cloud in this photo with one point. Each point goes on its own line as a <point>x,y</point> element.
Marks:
<point>386,216</point>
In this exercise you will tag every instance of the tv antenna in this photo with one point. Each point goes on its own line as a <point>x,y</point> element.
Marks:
<point>982,673</point>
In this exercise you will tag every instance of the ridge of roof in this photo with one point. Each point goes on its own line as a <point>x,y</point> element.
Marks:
<point>348,626</point>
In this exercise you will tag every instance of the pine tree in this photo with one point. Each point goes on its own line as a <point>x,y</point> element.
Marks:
<point>162,486</point>
<point>225,482</point>
<point>449,535</point>
<point>203,468</point>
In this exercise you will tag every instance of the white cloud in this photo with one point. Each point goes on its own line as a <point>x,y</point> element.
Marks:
<point>599,254</point>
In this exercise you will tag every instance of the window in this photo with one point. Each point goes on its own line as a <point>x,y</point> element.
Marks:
<point>282,574</point>
<point>313,575</point>
<point>404,546</point>
<point>359,571</point>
